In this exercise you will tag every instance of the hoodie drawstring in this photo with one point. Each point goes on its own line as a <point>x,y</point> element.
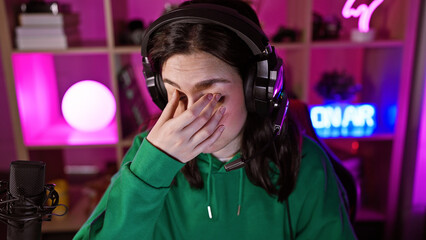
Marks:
<point>209,188</point>
<point>209,180</point>
<point>240,191</point>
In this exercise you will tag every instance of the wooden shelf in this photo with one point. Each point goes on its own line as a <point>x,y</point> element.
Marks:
<point>127,50</point>
<point>350,44</point>
<point>63,146</point>
<point>71,223</point>
<point>285,46</point>
<point>60,134</point>
<point>72,50</point>
<point>374,137</point>
<point>289,46</point>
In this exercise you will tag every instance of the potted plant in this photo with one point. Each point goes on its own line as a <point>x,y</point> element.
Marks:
<point>337,87</point>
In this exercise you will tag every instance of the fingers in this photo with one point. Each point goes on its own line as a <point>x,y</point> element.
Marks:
<point>170,109</point>
<point>187,134</point>
<point>208,129</point>
<point>204,116</point>
<point>210,140</point>
<point>191,114</point>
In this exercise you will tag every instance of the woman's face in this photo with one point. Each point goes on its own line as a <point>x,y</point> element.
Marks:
<point>196,74</point>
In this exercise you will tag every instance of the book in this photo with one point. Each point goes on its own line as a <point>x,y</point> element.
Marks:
<point>49,30</point>
<point>46,42</point>
<point>36,19</point>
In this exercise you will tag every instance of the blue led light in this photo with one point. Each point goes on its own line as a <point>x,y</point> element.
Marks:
<point>344,120</point>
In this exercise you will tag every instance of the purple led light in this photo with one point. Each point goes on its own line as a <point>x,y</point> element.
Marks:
<point>88,106</point>
<point>419,188</point>
<point>363,11</point>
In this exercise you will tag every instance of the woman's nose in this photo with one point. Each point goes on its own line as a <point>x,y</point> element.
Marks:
<point>189,103</point>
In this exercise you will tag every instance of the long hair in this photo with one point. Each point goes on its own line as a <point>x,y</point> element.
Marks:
<point>276,170</point>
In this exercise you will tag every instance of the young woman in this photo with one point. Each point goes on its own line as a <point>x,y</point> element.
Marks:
<point>173,183</point>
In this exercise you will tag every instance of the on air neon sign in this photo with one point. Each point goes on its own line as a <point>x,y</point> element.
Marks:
<point>363,11</point>
<point>343,120</point>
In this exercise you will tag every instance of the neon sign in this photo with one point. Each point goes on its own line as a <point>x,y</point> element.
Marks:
<point>343,120</point>
<point>363,11</point>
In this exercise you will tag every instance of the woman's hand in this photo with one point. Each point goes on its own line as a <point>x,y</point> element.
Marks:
<point>184,136</point>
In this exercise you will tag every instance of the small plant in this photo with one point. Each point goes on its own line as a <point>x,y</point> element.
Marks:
<point>337,86</point>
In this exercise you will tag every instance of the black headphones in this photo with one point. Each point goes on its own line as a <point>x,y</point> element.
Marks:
<point>264,86</point>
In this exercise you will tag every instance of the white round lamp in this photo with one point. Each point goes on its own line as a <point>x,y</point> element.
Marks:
<point>88,106</point>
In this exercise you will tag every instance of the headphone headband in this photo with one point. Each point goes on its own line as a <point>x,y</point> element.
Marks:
<point>216,14</point>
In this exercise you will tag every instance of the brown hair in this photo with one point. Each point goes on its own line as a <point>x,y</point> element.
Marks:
<point>282,158</point>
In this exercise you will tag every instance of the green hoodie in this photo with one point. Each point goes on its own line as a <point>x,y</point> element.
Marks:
<point>142,203</point>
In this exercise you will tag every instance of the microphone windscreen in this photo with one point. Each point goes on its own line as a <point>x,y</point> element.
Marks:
<point>26,178</point>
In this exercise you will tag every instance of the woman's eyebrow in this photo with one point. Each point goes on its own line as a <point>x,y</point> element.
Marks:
<point>165,80</point>
<point>205,84</point>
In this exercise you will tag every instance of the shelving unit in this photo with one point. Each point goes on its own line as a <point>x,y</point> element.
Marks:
<point>383,67</point>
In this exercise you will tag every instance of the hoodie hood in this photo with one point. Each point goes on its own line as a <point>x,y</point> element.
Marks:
<point>204,160</point>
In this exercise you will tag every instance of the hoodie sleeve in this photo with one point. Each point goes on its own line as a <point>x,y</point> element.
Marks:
<point>134,199</point>
<point>319,210</point>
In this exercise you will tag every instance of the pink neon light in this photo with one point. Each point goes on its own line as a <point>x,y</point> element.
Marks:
<point>363,11</point>
<point>88,106</point>
<point>36,91</point>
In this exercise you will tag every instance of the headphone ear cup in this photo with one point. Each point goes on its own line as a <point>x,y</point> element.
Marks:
<point>264,86</point>
<point>155,84</point>
<point>161,90</point>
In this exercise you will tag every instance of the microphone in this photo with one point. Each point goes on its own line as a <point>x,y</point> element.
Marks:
<point>239,163</point>
<point>22,206</point>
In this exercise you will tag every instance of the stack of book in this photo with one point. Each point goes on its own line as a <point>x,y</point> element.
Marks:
<point>47,31</point>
